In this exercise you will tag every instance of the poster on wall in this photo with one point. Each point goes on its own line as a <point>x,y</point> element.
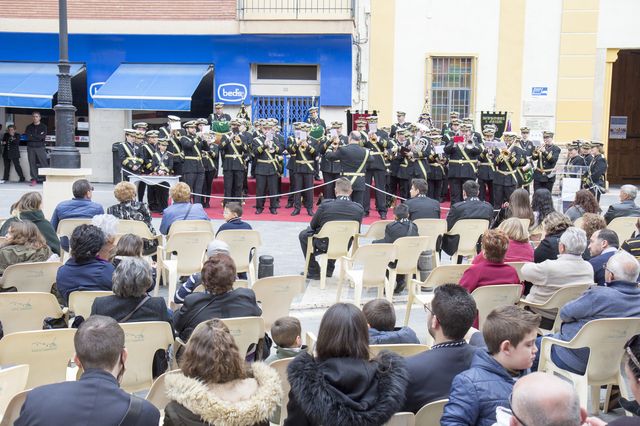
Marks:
<point>618,127</point>
<point>498,119</point>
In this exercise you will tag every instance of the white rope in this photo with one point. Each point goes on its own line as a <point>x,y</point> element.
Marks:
<point>385,192</point>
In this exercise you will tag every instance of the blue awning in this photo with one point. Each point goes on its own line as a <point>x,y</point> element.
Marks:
<point>30,84</point>
<point>157,87</point>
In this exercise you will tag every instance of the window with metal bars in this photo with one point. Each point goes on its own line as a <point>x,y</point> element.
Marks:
<point>451,87</point>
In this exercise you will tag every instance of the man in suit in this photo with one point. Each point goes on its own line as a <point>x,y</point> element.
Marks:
<point>96,398</point>
<point>421,206</point>
<point>471,208</point>
<point>449,317</point>
<point>354,160</point>
<point>627,206</point>
<point>603,244</point>
<point>342,208</point>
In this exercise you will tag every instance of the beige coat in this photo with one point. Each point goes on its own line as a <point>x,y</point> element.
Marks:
<point>548,276</point>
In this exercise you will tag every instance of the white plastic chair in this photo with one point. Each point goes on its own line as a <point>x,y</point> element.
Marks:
<point>66,226</point>
<point>243,245</point>
<point>12,381</point>
<point>157,393</point>
<point>374,232</point>
<point>605,339</point>
<point>281,367</point>
<point>432,228</point>
<point>310,339</point>
<point>470,231</point>
<point>31,276</point>
<point>275,295</point>
<point>12,412</point>
<point>181,255</point>
<point>623,226</point>
<point>80,302</point>
<point>190,226</point>
<point>490,297</point>
<point>430,414</point>
<point>372,261</point>
<point>518,267</point>
<point>403,418</point>
<point>135,227</point>
<point>26,311</point>
<point>245,331</point>
<point>442,274</point>
<point>561,297</point>
<point>339,233</point>
<point>409,250</point>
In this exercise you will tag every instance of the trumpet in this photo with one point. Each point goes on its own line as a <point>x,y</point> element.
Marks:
<point>335,143</point>
<point>237,140</point>
<point>374,138</point>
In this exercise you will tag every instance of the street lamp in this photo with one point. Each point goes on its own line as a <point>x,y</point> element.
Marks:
<point>64,155</point>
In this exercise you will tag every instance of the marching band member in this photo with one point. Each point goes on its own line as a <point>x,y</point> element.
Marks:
<point>545,159</point>
<point>585,152</point>
<point>304,150</point>
<point>331,169</point>
<point>173,132</point>
<point>574,159</point>
<point>148,150</point>
<point>266,150</point>
<point>162,166</point>
<point>129,154</point>
<point>291,162</point>
<point>454,117</point>
<point>463,152</point>
<point>314,119</point>
<point>437,162</point>
<point>400,124</point>
<point>354,160</point>
<point>597,169</point>
<point>219,114</point>
<point>377,169</point>
<point>525,143</point>
<point>209,158</point>
<point>507,161</point>
<point>232,151</point>
<point>192,167</point>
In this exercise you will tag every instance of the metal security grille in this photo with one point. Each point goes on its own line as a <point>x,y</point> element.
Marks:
<point>286,109</point>
<point>451,87</point>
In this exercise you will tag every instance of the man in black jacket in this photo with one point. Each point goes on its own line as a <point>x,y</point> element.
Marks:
<point>421,206</point>
<point>36,133</point>
<point>431,372</point>
<point>354,160</point>
<point>100,352</point>
<point>402,226</point>
<point>471,208</point>
<point>11,152</point>
<point>342,208</point>
<point>627,206</point>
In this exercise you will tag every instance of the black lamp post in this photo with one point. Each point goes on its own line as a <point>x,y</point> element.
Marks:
<point>64,155</point>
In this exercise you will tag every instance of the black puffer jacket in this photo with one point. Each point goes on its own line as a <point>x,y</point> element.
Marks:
<point>345,391</point>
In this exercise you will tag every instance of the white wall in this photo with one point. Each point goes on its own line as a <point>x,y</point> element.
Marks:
<point>105,128</point>
<point>618,24</point>
<point>426,27</point>
<point>540,62</point>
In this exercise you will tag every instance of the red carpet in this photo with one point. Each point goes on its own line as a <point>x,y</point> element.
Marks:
<point>284,215</point>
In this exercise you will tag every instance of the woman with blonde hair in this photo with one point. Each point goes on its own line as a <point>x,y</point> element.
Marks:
<point>182,208</point>
<point>29,207</point>
<point>24,244</point>
<point>215,386</point>
<point>520,249</point>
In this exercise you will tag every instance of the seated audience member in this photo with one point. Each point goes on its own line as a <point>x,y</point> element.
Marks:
<point>631,366</point>
<point>102,356</point>
<point>542,206</point>
<point>381,319</point>
<point>80,206</point>
<point>340,208</point>
<point>632,245</point>
<point>541,399</point>
<point>619,298</point>
<point>109,226</point>
<point>510,333</point>
<point>603,244</point>
<point>553,226</point>
<point>214,247</point>
<point>129,245</point>
<point>341,385</point>
<point>584,202</point>
<point>627,205</point>
<point>518,207</point>
<point>24,243</point>
<point>220,299</point>
<point>519,250</point>
<point>402,226</point>
<point>215,386</point>
<point>431,372</point>
<point>181,209</point>
<point>233,218</point>
<point>591,223</point>
<point>551,275</point>
<point>128,207</point>
<point>491,269</point>
<point>29,208</point>
<point>84,270</point>
<point>421,206</point>
<point>471,208</point>
<point>286,333</point>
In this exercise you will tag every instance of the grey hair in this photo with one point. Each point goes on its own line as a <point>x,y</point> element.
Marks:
<point>630,190</point>
<point>624,266</point>
<point>132,277</point>
<point>217,246</point>
<point>108,223</point>
<point>566,415</point>
<point>574,240</point>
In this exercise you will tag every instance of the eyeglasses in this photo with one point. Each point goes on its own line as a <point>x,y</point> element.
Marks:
<point>92,188</point>
<point>627,348</point>
<point>427,308</point>
<point>513,413</point>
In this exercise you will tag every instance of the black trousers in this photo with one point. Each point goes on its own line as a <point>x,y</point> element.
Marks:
<point>380,177</point>
<point>152,197</point>
<point>195,182</point>
<point>329,191</point>
<point>142,187</point>
<point>37,156</point>
<point>264,185</point>
<point>547,185</point>
<point>435,189</point>
<point>399,186</point>
<point>303,181</point>
<point>209,176</point>
<point>455,188</point>
<point>162,195</point>
<point>359,196</point>
<point>314,267</point>
<point>233,184</point>
<point>16,165</point>
<point>502,194</point>
<point>177,170</point>
<point>486,186</point>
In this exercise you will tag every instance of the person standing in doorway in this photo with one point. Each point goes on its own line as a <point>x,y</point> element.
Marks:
<point>11,152</point>
<point>36,133</point>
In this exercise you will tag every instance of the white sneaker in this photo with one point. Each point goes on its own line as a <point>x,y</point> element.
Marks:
<point>1,181</point>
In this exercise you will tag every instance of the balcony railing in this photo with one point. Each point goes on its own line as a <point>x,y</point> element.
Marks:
<point>296,9</point>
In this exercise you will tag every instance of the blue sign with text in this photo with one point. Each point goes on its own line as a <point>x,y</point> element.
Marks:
<point>539,91</point>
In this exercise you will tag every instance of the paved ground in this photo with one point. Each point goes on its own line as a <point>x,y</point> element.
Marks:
<point>280,240</point>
